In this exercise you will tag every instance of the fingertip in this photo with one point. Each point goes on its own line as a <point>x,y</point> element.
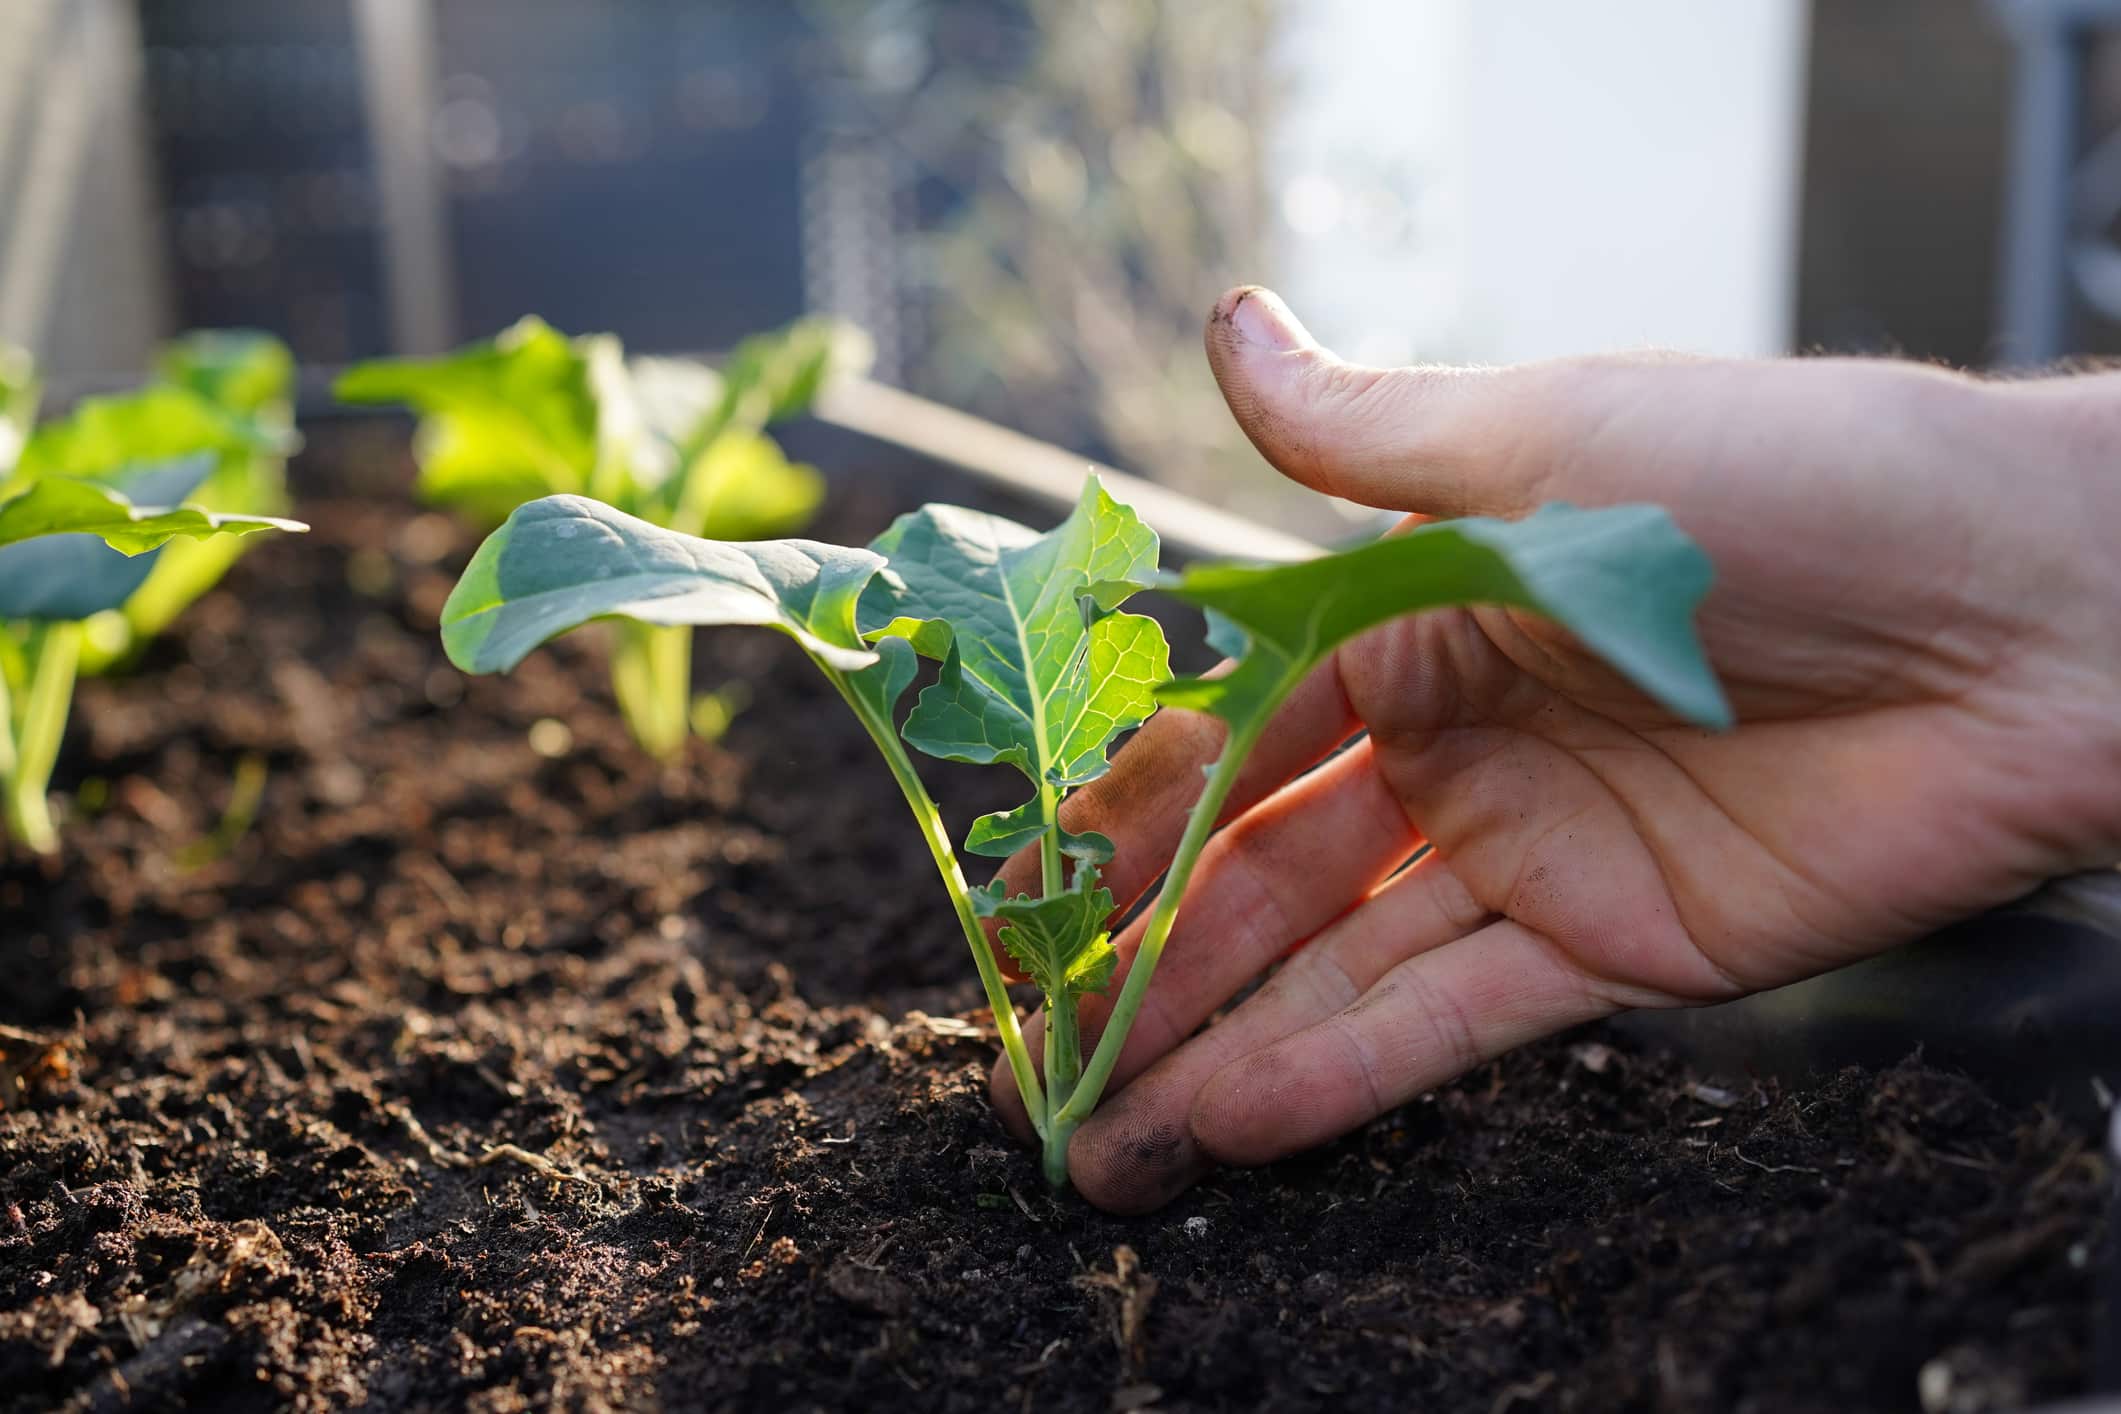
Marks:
<point>1133,1165</point>
<point>1241,1116</point>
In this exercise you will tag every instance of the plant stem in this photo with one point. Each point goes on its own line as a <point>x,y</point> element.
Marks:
<point>651,673</point>
<point>1064,1066</point>
<point>1064,1053</point>
<point>1198,828</point>
<point>931,823</point>
<point>54,652</point>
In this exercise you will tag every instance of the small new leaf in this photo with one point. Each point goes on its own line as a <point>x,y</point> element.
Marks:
<point>1006,831</point>
<point>561,561</point>
<point>1061,940</point>
<point>1625,580</point>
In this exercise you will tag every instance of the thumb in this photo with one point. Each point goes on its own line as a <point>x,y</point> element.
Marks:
<point>1435,440</point>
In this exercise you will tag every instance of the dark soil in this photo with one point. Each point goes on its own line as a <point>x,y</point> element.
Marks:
<point>469,1077</point>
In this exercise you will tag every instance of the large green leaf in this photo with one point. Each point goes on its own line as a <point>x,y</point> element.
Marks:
<point>562,561</point>
<point>504,421</point>
<point>1625,580</point>
<point>71,548</point>
<point>1060,940</point>
<point>1037,670</point>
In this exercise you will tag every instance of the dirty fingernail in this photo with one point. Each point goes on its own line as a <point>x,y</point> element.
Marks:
<point>1263,320</point>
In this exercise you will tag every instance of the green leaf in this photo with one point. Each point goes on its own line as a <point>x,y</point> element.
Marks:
<point>1060,940</point>
<point>504,421</point>
<point>562,561</point>
<point>647,410</point>
<point>743,487</point>
<point>62,505</point>
<point>1005,832</point>
<point>102,437</point>
<point>248,379</point>
<point>241,371</point>
<point>771,376</point>
<point>1625,580</point>
<point>1037,671</point>
<point>89,547</point>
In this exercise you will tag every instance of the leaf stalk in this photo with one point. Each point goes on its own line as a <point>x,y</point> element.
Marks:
<point>53,652</point>
<point>931,825</point>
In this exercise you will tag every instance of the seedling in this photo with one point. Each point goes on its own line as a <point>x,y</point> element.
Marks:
<point>71,549</point>
<point>222,393</point>
<point>533,412</point>
<point>1040,670</point>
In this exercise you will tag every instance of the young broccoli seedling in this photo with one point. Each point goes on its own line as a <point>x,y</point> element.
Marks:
<point>1039,669</point>
<point>71,549</point>
<point>226,394</point>
<point>534,412</point>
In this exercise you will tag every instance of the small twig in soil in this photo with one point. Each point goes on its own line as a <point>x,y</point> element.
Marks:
<point>770,1207</point>
<point>1739,1154</point>
<point>442,884</point>
<point>448,1158</point>
<point>1524,1392</point>
<point>509,1153</point>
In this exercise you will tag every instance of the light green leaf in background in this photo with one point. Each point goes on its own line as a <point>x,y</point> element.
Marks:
<point>70,548</point>
<point>241,371</point>
<point>101,436</point>
<point>776,375</point>
<point>503,421</point>
<point>229,392</point>
<point>61,505</point>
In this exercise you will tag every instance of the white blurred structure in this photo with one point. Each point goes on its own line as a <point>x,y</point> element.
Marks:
<point>1472,181</point>
<point>81,278</point>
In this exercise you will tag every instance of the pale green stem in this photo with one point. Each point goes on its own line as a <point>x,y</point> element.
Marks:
<point>54,652</point>
<point>7,724</point>
<point>931,823</point>
<point>651,674</point>
<point>1064,1065</point>
<point>1198,828</point>
<point>1064,1051</point>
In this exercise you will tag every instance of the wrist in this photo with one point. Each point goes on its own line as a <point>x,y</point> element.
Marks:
<point>2063,496</point>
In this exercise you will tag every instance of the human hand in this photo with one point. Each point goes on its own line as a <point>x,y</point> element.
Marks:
<point>1917,615</point>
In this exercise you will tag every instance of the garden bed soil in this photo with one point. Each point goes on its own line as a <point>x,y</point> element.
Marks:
<point>467,1076</point>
